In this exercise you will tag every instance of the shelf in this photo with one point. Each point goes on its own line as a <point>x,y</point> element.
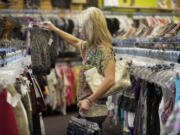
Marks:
<point>124,10</point>
<point>139,8</point>
<point>8,4</point>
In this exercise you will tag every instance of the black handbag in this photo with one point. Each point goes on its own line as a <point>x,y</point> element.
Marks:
<point>80,126</point>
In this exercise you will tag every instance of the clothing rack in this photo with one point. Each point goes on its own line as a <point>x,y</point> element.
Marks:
<point>33,11</point>
<point>134,13</point>
<point>135,41</point>
<point>9,57</point>
<point>143,11</point>
<point>157,54</point>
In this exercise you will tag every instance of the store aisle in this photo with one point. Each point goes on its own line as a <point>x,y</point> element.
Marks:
<point>57,124</point>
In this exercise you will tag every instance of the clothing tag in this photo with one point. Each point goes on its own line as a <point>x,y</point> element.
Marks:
<point>50,42</point>
<point>30,25</point>
<point>177,83</point>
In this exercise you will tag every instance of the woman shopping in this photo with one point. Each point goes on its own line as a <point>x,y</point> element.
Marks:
<point>96,51</point>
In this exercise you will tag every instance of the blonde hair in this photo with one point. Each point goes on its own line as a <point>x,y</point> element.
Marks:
<point>95,27</point>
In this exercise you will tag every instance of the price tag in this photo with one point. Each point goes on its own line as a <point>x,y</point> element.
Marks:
<point>50,42</point>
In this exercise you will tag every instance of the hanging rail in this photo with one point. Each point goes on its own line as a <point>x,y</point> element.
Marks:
<point>134,13</point>
<point>157,54</point>
<point>135,41</point>
<point>36,11</point>
<point>144,11</point>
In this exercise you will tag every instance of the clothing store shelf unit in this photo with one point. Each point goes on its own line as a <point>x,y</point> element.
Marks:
<point>11,57</point>
<point>37,11</point>
<point>147,41</point>
<point>8,4</point>
<point>157,54</point>
<point>144,11</point>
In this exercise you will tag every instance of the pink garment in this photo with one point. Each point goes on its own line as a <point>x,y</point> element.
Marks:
<point>67,70</point>
<point>70,77</point>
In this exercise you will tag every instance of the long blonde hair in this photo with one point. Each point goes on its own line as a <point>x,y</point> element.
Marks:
<point>95,27</point>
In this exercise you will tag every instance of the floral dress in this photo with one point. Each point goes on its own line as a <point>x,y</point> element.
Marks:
<point>97,57</point>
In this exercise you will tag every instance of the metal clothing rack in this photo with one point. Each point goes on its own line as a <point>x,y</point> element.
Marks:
<point>135,41</point>
<point>106,12</point>
<point>12,57</point>
<point>33,11</point>
<point>164,78</point>
<point>143,11</point>
<point>157,54</point>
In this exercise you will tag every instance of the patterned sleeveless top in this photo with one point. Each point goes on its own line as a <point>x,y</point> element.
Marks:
<point>97,57</point>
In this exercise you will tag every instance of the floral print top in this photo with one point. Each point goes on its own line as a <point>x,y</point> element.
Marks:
<point>97,57</point>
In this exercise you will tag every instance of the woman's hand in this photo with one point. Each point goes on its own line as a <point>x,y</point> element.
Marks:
<point>84,105</point>
<point>48,25</point>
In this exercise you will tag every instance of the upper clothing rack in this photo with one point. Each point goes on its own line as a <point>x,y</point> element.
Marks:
<point>134,41</point>
<point>37,11</point>
<point>144,11</point>
<point>173,56</point>
<point>106,10</point>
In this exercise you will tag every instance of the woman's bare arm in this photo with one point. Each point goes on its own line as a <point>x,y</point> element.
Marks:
<point>64,35</point>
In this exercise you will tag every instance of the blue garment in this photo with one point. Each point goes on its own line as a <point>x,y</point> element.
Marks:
<point>177,82</point>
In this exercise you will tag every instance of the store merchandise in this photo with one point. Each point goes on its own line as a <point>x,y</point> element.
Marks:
<point>27,91</point>
<point>111,3</point>
<point>31,4</point>
<point>172,125</point>
<point>62,92</point>
<point>147,32</point>
<point>23,95</point>
<point>63,4</point>
<point>8,123</point>
<point>40,51</point>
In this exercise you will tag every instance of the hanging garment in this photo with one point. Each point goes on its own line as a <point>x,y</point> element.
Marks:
<point>64,93</point>
<point>147,116</point>
<point>8,125</point>
<point>31,4</point>
<point>111,3</point>
<point>40,51</point>
<point>172,126</point>
<point>91,3</point>
<point>127,100</point>
<point>161,108</point>
<point>38,103</point>
<point>22,88</point>
<point>39,96</point>
<point>141,112</point>
<point>36,124</point>
<point>54,94</point>
<point>168,107</point>
<point>20,113</point>
<point>61,3</point>
<point>70,76</point>
<point>154,96</point>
